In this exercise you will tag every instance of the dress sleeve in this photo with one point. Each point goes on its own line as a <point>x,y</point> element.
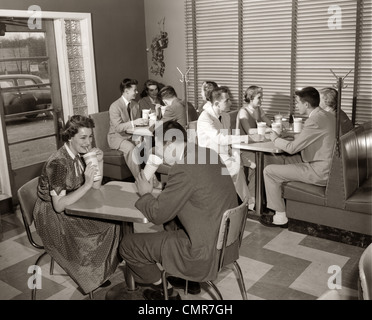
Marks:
<point>57,175</point>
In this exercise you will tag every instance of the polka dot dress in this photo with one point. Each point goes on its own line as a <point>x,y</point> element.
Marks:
<point>85,248</point>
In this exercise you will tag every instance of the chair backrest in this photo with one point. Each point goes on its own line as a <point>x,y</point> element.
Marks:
<point>233,114</point>
<point>349,155</point>
<point>27,195</point>
<point>365,273</point>
<point>101,129</point>
<point>192,113</point>
<point>232,228</point>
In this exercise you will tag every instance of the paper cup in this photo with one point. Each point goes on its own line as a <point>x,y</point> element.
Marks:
<point>91,157</point>
<point>261,128</point>
<point>145,113</point>
<point>297,125</point>
<point>163,110</point>
<point>277,127</point>
<point>152,165</point>
<point>152,117</point>
<point>278,118</point>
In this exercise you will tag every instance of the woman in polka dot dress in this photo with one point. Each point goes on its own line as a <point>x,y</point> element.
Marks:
<point>85,248</point>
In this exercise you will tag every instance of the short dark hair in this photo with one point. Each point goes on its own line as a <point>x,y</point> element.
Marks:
<point>167,92</point>
<point>310,95</point>
<point>208,87</point>
<point>169,125</point>
<point>150,82</point>
<point>74,124</point>
<point>216,93</point>
<point>127,84</point>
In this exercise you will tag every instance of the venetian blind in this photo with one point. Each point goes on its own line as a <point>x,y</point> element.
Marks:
<point>217,46</point>
<point>281,46</point>
<point>191,62</point>
<point>326,32</point>
<point>364,81</point>
<point>267,27</point>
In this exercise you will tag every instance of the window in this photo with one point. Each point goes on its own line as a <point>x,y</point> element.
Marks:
<point>73,85</point>
<point>217,50</point>
<point>25,82</point>
<point>362,95</point>
<point>267,28</point>
<point>282,46</point>
<point>325,41</point>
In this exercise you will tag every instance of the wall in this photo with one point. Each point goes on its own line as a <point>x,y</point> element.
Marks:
<point>175,54</point>
<point>118,35</point>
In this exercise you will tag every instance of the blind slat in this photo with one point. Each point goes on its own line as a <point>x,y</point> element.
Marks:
<point>266,49</point>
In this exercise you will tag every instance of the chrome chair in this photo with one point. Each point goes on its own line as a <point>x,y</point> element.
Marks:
<point>114,165</point>
<point>229,240</point>
<point>365,275</point>
<point>27,195</point>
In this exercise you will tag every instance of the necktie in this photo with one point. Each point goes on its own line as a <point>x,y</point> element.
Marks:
<point>129,111</point>
<point>220,118</point>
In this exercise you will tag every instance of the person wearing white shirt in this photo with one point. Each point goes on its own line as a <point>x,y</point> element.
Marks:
<point>125,113</point>
<point>214,132</point>
<point>205,92</point>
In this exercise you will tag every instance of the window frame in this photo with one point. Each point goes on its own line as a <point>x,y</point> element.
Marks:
<point>63,71</point>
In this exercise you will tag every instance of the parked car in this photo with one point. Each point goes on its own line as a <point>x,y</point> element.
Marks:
<point>24,99</point>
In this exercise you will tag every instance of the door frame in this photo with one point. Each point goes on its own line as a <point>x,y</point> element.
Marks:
<point>64,75</point>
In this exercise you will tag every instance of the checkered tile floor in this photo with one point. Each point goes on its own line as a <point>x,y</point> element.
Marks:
<point>277,264</point>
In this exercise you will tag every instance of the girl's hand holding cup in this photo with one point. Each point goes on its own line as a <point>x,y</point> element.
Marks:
<point>98,152</point>
<point>89,174</point>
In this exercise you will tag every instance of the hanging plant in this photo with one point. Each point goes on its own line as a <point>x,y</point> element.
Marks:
<point>159,43</point>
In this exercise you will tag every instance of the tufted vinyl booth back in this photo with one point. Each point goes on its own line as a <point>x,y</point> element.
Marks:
<point>114,165</point>
<point>349,151</point>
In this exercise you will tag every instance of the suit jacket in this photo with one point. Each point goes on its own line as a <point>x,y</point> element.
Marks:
<point>198,194</point>
<point>176,112</point>
<point>120,121</point>
<point>315,142</point>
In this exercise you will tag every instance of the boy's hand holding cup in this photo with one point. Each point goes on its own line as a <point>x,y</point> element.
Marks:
<point>152,164</point>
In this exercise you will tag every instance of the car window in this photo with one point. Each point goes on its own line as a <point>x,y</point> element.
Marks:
<point>6,83</point>
<point>25,82</point>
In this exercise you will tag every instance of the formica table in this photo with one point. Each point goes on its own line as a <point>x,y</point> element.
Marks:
<point>140,131</point>
<point>113,201</point>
